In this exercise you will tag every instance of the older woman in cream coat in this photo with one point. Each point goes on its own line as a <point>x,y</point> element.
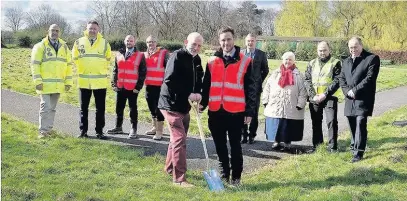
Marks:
<point>284,98</point>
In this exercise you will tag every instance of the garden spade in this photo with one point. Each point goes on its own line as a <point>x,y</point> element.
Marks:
<point>211,175</point>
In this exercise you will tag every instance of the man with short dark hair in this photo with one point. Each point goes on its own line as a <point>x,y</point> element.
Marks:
<point>358,82</point>
<point>91,55</point>
<point>229,91</point>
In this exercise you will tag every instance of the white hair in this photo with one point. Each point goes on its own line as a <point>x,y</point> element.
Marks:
<point>288,55</point>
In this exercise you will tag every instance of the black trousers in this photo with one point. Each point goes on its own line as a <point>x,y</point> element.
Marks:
<point>152,96</point>
<point>100,102</point>
<point>223,124</point>
<point>251,130</point>
<point>330,106</point>
<point>121,98</point>
<point>358,127</point>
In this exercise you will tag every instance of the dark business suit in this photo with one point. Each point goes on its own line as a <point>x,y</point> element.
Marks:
<point>360,76</point>
<point>259,73</point>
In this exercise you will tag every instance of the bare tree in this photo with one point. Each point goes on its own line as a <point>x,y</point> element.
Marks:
<point>164,18</point>
<point>42,17</point>
<point>108,13</point>
<point>14,18</point>
<point>133,18</point>
<point>267,21</point>
<point>205,17</point>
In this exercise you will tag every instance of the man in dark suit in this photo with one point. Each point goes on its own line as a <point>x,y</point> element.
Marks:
<point>259,73</point>
<point>358,82</point>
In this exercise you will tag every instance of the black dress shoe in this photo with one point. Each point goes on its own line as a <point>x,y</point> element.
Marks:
<point>83,135</point>
<point>101,136</point>
<point>244,141</point>
<point>251,140</point>
<point>115,130</point>
<point>356,159</point>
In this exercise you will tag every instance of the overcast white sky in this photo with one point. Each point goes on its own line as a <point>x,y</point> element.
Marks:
<point>77,10</point>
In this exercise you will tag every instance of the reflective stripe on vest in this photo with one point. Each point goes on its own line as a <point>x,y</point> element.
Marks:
<point>322,75</point>
<point>227,89</point>
<point>155,68</point>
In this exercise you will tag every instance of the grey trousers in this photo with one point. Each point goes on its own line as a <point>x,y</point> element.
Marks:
<point>47,111</point>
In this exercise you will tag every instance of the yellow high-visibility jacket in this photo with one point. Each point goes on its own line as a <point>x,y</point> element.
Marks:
<point>322,75</point>
<point>50,68</point>
<point>92,62</point>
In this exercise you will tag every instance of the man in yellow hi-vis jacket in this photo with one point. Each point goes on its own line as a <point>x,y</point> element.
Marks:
<point>51,69</point>
<point>91,55</point>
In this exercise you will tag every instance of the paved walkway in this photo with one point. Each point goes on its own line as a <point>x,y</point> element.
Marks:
<point>255,155</point>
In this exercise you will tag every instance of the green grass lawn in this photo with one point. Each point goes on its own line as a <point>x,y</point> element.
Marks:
<point>67,168</point>
<point>16,76</point>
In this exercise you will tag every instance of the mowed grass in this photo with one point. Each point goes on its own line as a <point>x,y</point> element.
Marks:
<point>66,168</point>
<point>16,76</point>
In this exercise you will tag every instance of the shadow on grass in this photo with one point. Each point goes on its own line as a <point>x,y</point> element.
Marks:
<point>344,145</point>
<point>260,149</point>
<point>356,176</point>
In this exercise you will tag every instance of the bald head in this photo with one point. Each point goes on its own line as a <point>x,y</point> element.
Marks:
<point>53,32</point>
<point>130,41</point>
<point>194,43</point>
<point>323,50</point>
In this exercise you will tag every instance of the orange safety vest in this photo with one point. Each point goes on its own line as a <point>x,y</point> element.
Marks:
<point>155,68</point>
<point>227,84</point>
<point>128,70</point>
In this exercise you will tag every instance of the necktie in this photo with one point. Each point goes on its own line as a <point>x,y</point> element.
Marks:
<point>228,58</point>
<point>92,41</point>
<point>128,54</point>
<point>55,45</point>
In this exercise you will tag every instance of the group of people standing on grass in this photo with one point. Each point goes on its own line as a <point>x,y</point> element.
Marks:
<point>230,88</point>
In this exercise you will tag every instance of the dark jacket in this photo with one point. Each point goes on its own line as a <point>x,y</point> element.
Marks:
<point>183,76</point>
<point>360,76</point>
<point>250,90</point>
<point>142,71</point>
<point>331,88</point>
<point>260,68</point>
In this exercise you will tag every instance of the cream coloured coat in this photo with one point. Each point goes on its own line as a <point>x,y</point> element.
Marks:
<point>282,102</point>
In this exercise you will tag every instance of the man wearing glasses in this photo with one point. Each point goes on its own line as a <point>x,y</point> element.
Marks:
<point>156,60</point>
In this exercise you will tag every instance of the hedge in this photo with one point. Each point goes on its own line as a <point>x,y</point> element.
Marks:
<point>395,57</point>
<point>304,51</point>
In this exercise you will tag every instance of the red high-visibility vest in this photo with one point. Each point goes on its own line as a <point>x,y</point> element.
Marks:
<point>128,70</point>
<point>155,67</point>
<point>227,84</point>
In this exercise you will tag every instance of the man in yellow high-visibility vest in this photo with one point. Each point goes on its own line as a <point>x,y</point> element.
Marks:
<point>91,55</point>
<point>51,69</point>
<point>322,84</point>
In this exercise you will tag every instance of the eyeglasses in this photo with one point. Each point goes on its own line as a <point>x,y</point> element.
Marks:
<point>151,41</point>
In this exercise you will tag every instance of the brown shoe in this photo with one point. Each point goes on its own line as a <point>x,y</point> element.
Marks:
<point>183,184</point>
